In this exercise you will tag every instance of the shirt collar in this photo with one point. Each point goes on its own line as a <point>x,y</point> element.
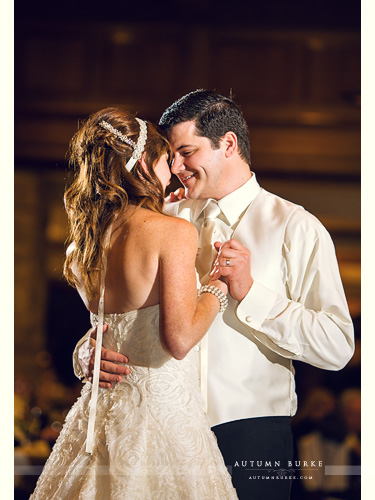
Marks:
<point>235,203</point>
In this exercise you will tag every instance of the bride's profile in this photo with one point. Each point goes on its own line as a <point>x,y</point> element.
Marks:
<point>147,437</point>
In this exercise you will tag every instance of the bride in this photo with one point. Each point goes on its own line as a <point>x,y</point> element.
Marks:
<point>147,437</point>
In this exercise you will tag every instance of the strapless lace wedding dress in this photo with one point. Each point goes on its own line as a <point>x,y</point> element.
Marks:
<point>152,438</point>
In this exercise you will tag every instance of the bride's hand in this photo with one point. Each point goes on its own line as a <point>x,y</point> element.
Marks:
<point>177,195</point>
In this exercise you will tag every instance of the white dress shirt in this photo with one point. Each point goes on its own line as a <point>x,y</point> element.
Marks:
<point>295,309</point>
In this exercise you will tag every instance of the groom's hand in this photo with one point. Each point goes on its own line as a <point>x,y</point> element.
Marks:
<point>233,262</point>
<point>110,370</point>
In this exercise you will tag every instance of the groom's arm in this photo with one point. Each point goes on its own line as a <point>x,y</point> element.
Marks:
<point>311,321</point>
<point>79,355</point>
<point>110,370</point>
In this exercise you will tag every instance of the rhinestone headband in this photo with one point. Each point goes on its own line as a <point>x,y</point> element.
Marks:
<point>138,147</point>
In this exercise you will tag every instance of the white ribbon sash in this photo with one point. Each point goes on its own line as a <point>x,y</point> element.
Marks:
<point>98,350</point>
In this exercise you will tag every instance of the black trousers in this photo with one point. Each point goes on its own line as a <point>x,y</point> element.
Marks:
<point>257,453</point>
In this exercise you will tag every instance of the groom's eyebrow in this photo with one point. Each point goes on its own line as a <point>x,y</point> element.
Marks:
<point>185,146</point>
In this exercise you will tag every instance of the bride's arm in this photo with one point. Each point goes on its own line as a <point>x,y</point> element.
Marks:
<point>184,320</point>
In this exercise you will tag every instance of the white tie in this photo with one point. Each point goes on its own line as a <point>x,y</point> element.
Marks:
<point>210,232</point>
<point>208,235</point>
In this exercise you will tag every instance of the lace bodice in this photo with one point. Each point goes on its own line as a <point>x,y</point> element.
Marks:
<point>136,334</point>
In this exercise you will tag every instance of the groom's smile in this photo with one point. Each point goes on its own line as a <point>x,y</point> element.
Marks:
<point>198,166</point>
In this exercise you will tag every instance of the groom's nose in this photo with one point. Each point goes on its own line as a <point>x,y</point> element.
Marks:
<point>178,164</point>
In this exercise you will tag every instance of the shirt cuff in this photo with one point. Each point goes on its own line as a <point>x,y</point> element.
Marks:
<point>256,305</point>
<point>76,366</point>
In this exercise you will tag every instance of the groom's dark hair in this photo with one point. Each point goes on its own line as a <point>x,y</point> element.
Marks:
<point>213,114</point>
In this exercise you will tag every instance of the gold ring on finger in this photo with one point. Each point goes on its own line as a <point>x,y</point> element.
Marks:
<point>227,262</point>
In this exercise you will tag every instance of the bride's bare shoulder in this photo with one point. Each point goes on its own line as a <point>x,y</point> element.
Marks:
<point>178,238</point>
<point>164,225</point>
<point>179,228</point>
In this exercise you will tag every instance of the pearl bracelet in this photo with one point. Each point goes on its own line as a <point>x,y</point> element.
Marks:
<point>217,292</point>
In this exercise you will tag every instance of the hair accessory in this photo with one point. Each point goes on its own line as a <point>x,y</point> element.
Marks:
<point>138,147</point>
<point>217,292</point>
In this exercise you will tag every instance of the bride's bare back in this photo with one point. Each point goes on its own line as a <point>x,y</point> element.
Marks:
<point>151,260</point>
<point>132,279</point>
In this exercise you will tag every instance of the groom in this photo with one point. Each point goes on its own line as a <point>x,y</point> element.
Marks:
<point>286,298</point>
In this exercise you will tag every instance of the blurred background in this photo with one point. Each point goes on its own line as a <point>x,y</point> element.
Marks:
<point>293,66</point>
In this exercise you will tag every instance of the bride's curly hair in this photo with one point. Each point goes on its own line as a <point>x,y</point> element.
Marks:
<point>102,188</point>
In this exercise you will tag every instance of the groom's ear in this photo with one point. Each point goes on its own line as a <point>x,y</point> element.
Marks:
<point>143,163</point>
<point>229,144</point>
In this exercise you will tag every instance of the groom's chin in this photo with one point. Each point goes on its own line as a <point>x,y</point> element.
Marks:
<point>191,194</point>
